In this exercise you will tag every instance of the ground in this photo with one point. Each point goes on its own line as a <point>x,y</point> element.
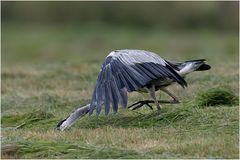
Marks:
<point>47,72</point>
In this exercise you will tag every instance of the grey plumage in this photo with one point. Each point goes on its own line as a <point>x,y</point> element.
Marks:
<point>126,71</point>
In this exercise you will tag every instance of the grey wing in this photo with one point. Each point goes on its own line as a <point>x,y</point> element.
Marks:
<point>110,88</point>
<point>127,72</point>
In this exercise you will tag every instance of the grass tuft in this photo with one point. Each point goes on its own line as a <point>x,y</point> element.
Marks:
<point>216,97</point>
<point>23,120</point>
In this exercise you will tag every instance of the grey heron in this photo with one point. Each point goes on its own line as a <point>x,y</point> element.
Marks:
<point>129,70</point>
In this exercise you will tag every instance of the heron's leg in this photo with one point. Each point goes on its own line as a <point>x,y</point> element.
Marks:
<point>147,102</point>
<point>175,99</point>
<point>152,94</point>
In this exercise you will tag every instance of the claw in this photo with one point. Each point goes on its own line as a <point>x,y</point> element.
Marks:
<point>149,106</point>
<point>134,104</point>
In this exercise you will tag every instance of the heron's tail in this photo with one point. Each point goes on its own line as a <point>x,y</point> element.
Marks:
<point>193,65</point>
<point>201,63</point>
<point>73,117</point>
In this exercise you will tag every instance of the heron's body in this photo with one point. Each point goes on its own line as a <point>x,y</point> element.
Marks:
<point>159,83</point>
<point>126,71</point>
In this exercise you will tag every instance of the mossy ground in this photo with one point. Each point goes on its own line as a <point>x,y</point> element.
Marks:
<point>48,73</point>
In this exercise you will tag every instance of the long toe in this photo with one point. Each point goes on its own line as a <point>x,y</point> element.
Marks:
<point>138,106</point>
<point>149,106</point>
<point>134,104</point>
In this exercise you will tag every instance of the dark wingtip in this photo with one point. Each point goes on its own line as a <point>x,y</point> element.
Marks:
<point>204,67</point>
<point>196,60</point>
<point>184,84</point>
<point>180,80</point>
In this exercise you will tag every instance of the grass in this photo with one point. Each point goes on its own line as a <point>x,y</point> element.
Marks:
<point>215,97</point>
<point>47,72</point>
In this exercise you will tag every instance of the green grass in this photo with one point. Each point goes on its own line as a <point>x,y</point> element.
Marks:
<point>47,72</point>
<point>215,97</point>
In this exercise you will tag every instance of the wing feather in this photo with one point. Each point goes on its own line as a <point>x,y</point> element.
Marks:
<point>115,98</point>
<point>106,100</point>
<point>124,95</point>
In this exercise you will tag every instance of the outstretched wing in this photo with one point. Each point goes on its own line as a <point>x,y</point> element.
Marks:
<point>126,71</point>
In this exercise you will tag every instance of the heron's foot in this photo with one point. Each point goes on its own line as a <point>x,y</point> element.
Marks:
<point>139,104</point>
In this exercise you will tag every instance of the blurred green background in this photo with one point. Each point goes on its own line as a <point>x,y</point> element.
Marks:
<point>174,15</point>
<point>70,31</point>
